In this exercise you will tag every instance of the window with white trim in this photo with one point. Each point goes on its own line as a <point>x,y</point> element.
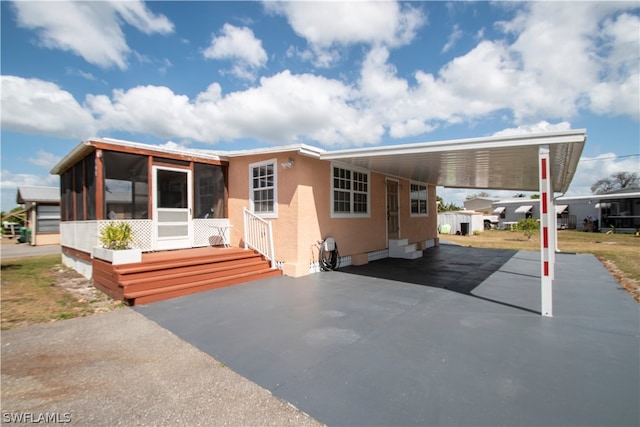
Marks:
<point>263,188</point>
<point>418,198</point>
<point>349,192</point>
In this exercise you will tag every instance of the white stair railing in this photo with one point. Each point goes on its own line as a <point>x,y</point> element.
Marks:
<point>258,235</point>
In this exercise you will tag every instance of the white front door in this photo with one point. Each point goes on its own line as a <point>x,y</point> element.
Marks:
<point>172,208</point>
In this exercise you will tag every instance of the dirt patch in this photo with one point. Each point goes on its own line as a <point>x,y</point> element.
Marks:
<point>632,286</point>
<point>82,289</point>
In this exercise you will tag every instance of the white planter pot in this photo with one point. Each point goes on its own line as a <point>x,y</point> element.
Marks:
<point>124,256</point>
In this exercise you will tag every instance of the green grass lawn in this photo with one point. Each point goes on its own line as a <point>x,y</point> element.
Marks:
<point>31,293</point>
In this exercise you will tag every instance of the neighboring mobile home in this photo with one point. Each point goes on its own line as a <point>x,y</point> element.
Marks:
<point>42,208</point>
<point>375,202</point>
<point>619,210</point>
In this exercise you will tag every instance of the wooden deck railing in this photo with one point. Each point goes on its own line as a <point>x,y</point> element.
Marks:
<point>258,235</point>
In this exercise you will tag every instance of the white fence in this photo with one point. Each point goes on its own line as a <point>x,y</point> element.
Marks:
<point>85,235</point>
<point>258,235</point>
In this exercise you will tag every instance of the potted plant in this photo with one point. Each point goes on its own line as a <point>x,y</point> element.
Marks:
<point>116,240</point>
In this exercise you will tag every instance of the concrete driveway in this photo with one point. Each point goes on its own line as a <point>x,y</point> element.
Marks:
<point>454,338</point>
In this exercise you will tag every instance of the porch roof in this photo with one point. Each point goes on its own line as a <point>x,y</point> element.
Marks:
<point>505,162</point>
<point>85,147</point>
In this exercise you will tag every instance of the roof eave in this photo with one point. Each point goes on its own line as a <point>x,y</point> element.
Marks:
<point>78,152</point>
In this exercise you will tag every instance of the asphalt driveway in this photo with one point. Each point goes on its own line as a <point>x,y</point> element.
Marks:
<point>10,248</point>
<point>454,338</point>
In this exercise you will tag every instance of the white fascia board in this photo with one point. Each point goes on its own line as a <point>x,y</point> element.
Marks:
<point>303,149</point>
<point>211,155</point>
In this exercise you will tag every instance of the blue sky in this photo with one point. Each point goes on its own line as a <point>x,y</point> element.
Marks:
<point>234,75</point>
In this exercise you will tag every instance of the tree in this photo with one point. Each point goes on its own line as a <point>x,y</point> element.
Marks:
<point>16,214</point>
<point>535,197</point>
<point>528,226</point>
<point>446,207</point>
<point>616,181</point>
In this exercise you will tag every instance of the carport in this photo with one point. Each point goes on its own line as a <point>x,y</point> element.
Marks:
<point>453,338</point>
<point>544,162</point>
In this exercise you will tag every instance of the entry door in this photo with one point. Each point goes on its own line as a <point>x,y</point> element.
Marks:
<point>393,223</point>
<point>172,208</point>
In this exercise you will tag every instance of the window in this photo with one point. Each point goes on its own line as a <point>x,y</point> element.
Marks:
<point>126,186</point>
<point>78,181</point>
<point>48,219</point>
<point>210,191</point>
<point>350,192</point>
<point>90,185</point>
<point>418,199</point>
<point>66,195</point>
<point>263,185</point>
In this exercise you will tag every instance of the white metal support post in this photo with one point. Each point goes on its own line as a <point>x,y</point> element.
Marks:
<point>547,239</point>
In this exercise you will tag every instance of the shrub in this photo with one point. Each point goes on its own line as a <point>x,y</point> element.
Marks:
<point>116,235</point>
<point>528,226</point>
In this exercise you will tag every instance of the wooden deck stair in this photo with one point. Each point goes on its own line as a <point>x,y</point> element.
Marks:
<point>170,274</point>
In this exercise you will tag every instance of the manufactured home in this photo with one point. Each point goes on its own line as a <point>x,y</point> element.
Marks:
<point>42,214</point>
<point>618,210</point>
<point>190,208</point>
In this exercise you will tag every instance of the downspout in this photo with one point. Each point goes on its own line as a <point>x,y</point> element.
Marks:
<point>556,224</point>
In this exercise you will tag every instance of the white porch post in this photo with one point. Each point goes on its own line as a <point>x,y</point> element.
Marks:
<point>547,225</point>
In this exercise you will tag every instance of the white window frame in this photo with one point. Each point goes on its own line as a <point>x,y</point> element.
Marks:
<point>252,166</point>
<point>422,184</point>
<point>351,191</point>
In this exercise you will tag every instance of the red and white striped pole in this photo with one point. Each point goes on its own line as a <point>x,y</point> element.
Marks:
<point>547,225</point>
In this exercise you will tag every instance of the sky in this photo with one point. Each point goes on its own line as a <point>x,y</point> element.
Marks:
<point>237,75</point>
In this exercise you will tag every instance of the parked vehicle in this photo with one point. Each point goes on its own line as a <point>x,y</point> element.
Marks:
<point>490,221</point>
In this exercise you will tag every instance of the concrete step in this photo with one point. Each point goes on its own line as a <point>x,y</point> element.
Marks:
<point>400,248</point>
<point>394,243</point>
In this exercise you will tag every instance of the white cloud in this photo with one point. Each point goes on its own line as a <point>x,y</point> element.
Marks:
<point>173,145</point>
<point>539,127</point>
<point>492,78</point>
<point>283,108</point>
<point>91,30</point>
<point>9,183</point>
<point>44,159</point>
<point>240,45</point>
<point>455,35</point>
<point>36,106</point>
<point>327,26</point>
<point>576,55</point>
<point>591,169</point>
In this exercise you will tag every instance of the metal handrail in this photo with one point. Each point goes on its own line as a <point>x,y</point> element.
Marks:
<point>258,235</point>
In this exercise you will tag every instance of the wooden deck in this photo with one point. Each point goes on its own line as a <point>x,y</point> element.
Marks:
<point>169,274</point>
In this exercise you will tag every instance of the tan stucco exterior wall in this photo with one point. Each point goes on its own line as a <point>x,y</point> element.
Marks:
<point>47,239</point>
<point>304,212</point>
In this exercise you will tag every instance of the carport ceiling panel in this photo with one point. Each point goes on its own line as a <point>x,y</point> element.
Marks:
<point>509,163</point>
<point>513,168</point>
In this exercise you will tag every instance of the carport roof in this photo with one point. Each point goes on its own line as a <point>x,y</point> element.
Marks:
<point>504,162</point>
